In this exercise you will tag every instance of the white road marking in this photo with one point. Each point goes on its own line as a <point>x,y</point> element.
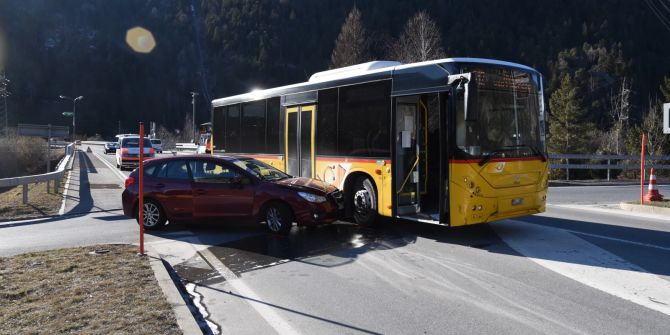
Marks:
<point>647,245</point>
<point>109,165</point>
<point>593,208</point>
<point>564,253</point>
<point>266,311</point>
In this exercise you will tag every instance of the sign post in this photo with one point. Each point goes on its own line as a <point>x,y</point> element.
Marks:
<point>666,118</point>
<point>140,215</point>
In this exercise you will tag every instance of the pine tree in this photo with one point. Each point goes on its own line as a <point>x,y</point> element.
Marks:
<point>352,45</point>
<point>420,41</point>
<point>569,131</point>
<point>665,88</point>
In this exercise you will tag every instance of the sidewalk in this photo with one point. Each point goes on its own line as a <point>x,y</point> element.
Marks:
<point>93,187</point>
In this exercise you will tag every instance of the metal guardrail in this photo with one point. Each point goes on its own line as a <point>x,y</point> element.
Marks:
<point>606,162</point>
<point>56,176</point>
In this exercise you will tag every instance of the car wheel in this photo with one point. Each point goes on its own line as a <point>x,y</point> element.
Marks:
<point>154,216</point>
<point>364,200</point>
<point>279,218</point>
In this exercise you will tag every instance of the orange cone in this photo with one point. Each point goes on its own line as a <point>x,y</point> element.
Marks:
<point>652,192</point>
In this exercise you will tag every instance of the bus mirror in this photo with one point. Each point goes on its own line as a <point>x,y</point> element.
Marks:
<point>466,84</point>
<point>471,99</point>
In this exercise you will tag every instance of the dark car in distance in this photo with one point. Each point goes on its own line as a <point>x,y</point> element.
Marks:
<point>200,188</point>
<point>111,147</point>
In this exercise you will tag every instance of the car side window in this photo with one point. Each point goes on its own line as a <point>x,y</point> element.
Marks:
<point>213,172</point>
<point>173,170</point>
<point>150,170</point>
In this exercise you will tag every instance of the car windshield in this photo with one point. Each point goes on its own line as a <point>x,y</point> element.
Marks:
<point>156,141</point>
<point>260,169</point>
<point>134,142</point>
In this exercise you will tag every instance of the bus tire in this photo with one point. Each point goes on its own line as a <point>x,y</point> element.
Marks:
<point>364,200</point>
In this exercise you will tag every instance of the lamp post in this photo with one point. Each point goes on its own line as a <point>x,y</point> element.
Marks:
<point>193,95</point>
<point>74,112</point>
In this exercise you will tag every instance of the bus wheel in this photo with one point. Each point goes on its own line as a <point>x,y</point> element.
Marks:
<point>364,201</point>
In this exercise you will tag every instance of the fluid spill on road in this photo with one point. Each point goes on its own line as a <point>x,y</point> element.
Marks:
<point>326,246</point>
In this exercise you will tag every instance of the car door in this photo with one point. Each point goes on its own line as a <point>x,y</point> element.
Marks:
<point>171,186</point>
<point>220,189</point>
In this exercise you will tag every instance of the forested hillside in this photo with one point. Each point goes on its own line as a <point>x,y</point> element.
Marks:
<point>603,61</point>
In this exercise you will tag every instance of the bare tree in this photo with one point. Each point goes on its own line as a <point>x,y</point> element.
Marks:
<point>652,125</point>
<point>187,131</point>
<point>352,45</point>
<point>619,114</point>
<point>420,41</point>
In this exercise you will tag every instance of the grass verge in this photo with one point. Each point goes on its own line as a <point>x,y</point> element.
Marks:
<point>74,291</point>
<point>40,203</point>
<point>664,203</point>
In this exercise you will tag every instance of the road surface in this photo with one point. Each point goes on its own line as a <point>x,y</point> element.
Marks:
<point>581,268</point>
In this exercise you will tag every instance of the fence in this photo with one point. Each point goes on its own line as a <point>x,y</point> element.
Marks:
<point>605,162</point>
<point>56,176</point>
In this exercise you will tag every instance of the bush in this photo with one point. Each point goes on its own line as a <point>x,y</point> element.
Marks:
<point>22,156</point>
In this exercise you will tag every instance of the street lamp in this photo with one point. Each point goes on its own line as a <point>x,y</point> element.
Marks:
<point>74,111</point>
<point>193,95</point>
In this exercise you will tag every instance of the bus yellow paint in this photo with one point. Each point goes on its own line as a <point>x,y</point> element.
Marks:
<point>336,170</point>
<point>497,190</point>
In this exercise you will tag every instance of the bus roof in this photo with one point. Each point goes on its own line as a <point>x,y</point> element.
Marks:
<point>432,72</point>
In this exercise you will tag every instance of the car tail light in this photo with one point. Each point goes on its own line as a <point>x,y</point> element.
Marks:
<point>129,181</point>
<point>124,151</point>
<point>152,152</point>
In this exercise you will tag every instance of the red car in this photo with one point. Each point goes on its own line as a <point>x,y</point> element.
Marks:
<point>199,188</point>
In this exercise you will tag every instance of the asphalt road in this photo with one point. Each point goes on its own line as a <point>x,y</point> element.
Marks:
<point>577,269</point>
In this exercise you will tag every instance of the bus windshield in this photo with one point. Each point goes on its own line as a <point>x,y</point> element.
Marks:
<point>508,116</point>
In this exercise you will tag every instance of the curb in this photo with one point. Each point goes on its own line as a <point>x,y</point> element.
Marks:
<point>185,319</point>
<point>644,208</point>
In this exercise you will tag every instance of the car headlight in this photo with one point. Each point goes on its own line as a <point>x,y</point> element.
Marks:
<point>312,197</point>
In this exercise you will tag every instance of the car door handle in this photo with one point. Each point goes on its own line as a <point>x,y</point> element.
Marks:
<point>200,192</point>
<point>160,185</point>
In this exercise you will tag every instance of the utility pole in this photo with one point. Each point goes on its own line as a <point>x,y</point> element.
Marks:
<point>193,95</point>
<point>74,112</point>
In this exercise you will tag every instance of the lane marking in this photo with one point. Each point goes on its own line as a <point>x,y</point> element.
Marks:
<point>114,169</point>
<point>564,253</point>
<point>647,245</point>
<point>266,312</point>
<point>613,211</point>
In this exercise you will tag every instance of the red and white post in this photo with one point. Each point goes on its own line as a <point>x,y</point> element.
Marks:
<point>140,214</point>
<point>642,171</point>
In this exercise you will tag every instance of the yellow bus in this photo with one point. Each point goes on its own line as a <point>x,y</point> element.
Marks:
<point>454,141</point>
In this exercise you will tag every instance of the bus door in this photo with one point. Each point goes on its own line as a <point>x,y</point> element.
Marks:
<point>299,141</point>
<point>417,157</point>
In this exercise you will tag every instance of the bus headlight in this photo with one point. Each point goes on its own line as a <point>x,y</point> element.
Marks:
<point>312,197</point>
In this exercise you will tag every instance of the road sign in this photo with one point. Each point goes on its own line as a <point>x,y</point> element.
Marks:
<point>68,114</point>
<point>666,118</point>
<point>43,130</point>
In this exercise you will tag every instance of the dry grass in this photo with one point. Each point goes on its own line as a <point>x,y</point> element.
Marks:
<point>72,291</point>
<point>40,203</point>
<point>663,203</point>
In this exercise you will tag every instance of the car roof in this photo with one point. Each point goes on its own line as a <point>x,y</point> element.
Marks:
<point>194,156</point>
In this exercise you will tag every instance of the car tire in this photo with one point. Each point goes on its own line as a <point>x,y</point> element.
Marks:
<point>364,202</point>
<point>154,216</point>
<point>279,218</point>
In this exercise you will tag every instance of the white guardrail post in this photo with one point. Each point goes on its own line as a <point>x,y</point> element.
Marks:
<point>56,176</point>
